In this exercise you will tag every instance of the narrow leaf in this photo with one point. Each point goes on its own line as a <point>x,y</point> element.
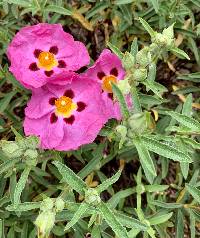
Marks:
<point>147,27</point>
<point>180,53</point>
<point>23,207</point>
<point>71,178</point>
<point>109,182</point>
<point>160,218</point>
<point>195,192</point>
<point>115,50</point>
<point>112,221</point>
<point>165,150</point>
<point>77,215</point>
<point>20,185</point>
<point>58,9</point>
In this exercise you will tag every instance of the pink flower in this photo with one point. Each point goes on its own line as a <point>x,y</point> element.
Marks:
<point>66,117</point>
<point>40,53</point>
<point>108,68</point>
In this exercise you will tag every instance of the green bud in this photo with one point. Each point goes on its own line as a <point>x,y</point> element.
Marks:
<point>47,205</point>
<point>32,142</point>
<point>92,197</point>
<point>143,57</point>
<point>45,222</point>
<point>124,86</point>
<point>59,204</point>
<point>140,189</point>
<point>169,32</point>
<point>137,123</point>
<point>128,60</point>
<point>163,40</point>
<point>32,154</point>
<point>11,149</point>
<point>122,131</point>
<point>140,74</point>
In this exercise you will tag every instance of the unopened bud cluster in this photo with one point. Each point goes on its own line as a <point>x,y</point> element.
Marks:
<point>46,219</point>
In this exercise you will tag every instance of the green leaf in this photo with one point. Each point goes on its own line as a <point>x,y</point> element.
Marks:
<point>119,2</point>
<point>147,27</point>
<point>165,150</point>
<point>121,99</point>
<point>112,220</point>
<point>115,50</point>
<point>134,48</point>
<point>21,185</point>
<point>23,207</point>
<point>136,100</point>
<point>130,222</point>
<point>77,215</point>
<point>195,192</point>
<point>160,218</point>
<point>180,53</point>
<point>186,121</point>
<point>145,158</point>
<point>155,5</point>
<point>166,205</point>
<point>187,106</point>
<point>71,178</point>
<point>100,6</point>
<point>155,188</point>
<point>4,102</point>
<point>8,164</point>
<point>180,225</point>
<point>58,9</point>
<point>20,3</point>
<point>108,182</point>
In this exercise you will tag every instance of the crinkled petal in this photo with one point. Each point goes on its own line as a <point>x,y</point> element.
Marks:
<point>43,36</point>
<point>50,134</point>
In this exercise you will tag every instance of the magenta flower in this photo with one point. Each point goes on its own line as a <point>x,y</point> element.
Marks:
<point>108,68</point>
<point>40,53</point>
<point>66,117</point>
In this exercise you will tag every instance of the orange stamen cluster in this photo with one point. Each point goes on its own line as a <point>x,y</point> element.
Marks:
<point>65,106</point>
<point>47,61</point>
<point>106,83</point>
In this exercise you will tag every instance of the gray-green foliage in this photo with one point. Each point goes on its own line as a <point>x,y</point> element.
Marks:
<point>158,190</point>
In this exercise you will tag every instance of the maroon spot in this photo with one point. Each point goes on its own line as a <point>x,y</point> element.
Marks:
<point>110,95</point>
<point>52,101</point>
<point>69,93</point>
<point>48,73</point>
<point>53,50</point>
<point>37,53</point>
<point>100,75</point>
<point>53,118</point>
<point>81,106</point>
<point>61,64</point>
<point>70,120</point>
<point>33,67</point>
<point>114,72</point>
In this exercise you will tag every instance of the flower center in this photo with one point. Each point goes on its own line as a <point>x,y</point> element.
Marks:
<point>47,61</point>
<point>106,83</point>
<point>65,106</point>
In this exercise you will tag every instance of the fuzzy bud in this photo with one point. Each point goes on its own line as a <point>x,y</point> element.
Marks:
<point>140,74</point>
<point>59,204</point>
<point>92,197</point>
<point>11,149</point>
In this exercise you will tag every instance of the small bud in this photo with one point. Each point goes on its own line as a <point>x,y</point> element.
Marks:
<point>122,131</point>
<point>140,189</point>
<point>47,204</point>
<point>45,222</point>
<point>92,197</point>
<point>137,123</point>
<point>32,142</point>
<point>128,60</point>
<point>11,149</point>
<point>169,32</point>
<point>143,57</point>
<point>32,154</point>
<point>140,74</point>
<point>124,86</point>
<point>59,204</point>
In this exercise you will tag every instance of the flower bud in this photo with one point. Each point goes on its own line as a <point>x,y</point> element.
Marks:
<point>137,123</point>
<point>122,131</point>
<point>128,60</point>
<point>140,189</point>
<point>11,149</point>
<point>92,197</point>
<point>140,74</point>
<point>59,204</point>
<point>143,57</point>
<point>124,86</point>
<point>45,222</point>
<point>47,204</point>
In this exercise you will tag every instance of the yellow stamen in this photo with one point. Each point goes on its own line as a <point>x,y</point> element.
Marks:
<point>106,83</point>
<point>65,106</point>
<point>47,61</point>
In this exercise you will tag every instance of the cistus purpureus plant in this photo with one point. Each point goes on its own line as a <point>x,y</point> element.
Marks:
<point>103,147</point>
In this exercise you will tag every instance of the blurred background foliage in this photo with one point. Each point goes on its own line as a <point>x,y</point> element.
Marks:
<point>95,23</point>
